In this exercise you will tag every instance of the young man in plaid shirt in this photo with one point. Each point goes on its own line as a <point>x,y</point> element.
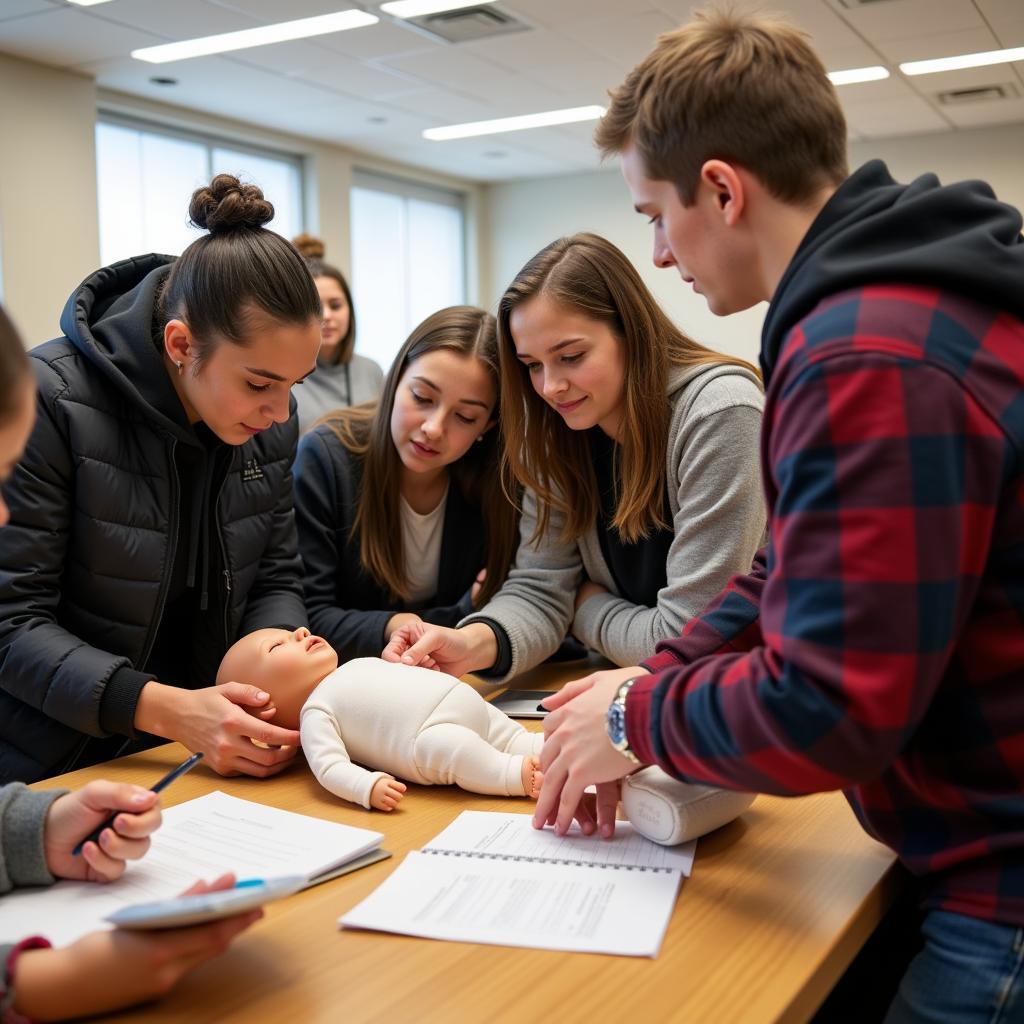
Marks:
<point>877,646</point>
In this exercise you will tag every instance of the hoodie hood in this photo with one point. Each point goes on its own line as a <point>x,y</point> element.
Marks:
<point>109,319</point>
<point>958,238</point>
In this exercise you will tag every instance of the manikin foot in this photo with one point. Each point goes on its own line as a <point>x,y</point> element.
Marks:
<point>532,776</point>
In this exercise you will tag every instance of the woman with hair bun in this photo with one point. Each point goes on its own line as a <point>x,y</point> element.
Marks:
<point>151,516</point>
<point>342,378</point>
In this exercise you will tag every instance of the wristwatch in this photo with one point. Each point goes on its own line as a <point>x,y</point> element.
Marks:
<point>616,721</point>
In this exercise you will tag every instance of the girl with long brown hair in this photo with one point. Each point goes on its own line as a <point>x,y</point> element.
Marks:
<point>401,511</point>
<point>637,448</point>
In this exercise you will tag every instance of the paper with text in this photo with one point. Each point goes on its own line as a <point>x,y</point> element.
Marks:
<point>199,839</point>
<point>571,907</point>
<point>512,835</point>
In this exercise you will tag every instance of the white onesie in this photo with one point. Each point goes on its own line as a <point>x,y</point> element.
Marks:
<point>413,723</point>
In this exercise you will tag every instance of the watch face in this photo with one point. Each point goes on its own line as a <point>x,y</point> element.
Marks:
<point>617,724</point>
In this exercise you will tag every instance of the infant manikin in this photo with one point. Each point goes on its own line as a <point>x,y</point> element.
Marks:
<point>397,720</point>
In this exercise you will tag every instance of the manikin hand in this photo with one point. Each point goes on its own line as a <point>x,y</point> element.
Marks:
<point>386,793</point>
<point>455,651</point>
<point>578,753</point>
<point>221,721</point>
<point>107,970</point>
<point>74,815</point>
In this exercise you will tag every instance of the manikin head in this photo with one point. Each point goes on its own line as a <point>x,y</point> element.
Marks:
<point>288,664</point>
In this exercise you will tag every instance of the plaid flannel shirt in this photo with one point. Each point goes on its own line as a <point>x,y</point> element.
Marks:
<point>878,645</point>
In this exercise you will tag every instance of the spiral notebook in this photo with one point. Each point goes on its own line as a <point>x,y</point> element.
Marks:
<point>492,878</point>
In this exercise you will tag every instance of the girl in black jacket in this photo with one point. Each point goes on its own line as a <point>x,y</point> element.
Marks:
<point>402,517</point>
<point>151,517</point>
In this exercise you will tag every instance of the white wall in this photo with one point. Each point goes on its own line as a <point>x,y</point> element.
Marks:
<point>524,216</point>
<point>49,234</point>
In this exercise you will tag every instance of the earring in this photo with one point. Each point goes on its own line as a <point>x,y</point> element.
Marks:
<point>180,366</point>
<point>480,438</point>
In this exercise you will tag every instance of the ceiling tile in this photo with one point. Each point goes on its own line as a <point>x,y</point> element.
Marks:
<point>938,44</point>
<point>1000,13</point>
<point>620,39</point>
<point>385,39</point>
<point>66,37</point>
<point>589,75</point>
<point>182,19</point>
<point>356,78</point>
<point>968,78</point>
<point>970,115</point>
<point>909,115</point>
<point>898,19</point>
<point>571,12</point>
<point>442,106</point>
<point>19,8</point>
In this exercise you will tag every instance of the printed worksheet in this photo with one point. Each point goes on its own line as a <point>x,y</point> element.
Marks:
<point>488,833</point>
<point>199,839</point>
<point>573,907</point>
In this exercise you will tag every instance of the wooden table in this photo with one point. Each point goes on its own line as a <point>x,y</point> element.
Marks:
<point>779,903</point>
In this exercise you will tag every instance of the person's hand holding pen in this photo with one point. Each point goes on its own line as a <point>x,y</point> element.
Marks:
<point>72,817</point>
<point>89,834</point>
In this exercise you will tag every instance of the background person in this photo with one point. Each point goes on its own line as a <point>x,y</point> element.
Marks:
<point>342,376</point>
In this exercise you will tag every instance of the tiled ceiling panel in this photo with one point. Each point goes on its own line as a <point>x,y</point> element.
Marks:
<point>64,38</point>
<point>377,88</point>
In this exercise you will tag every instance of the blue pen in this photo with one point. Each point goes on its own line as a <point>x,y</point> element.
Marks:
<point>94,836</point>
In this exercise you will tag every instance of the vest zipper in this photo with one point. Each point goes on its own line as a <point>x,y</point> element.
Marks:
<point>224,558</point>
<point>172,550</point>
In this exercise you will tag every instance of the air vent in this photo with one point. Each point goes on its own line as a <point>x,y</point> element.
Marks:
<point>979,94</point>
<point>469,23</point>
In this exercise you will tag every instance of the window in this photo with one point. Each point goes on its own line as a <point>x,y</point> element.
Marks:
<point>408,259</point>
<point>146,176</point>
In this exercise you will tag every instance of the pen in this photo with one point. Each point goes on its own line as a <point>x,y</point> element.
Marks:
<point>173,774</point>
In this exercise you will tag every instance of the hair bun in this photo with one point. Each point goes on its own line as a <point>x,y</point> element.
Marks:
<point>228,205</point>
<point>309,246</point>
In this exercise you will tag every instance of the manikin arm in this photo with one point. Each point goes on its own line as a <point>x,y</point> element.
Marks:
<point>329,761</point>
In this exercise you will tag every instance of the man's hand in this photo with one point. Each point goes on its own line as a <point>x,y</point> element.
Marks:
<point>578,753</point>
<point>221,721</point>
<point>455,651</point>
<point>74,815</point>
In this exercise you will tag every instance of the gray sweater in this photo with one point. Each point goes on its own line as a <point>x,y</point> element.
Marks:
<point>718,517</point>
<point>327,389</point>
<point>22,858</point>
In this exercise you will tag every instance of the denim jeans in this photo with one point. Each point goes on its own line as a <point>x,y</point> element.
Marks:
<point>969,972</point>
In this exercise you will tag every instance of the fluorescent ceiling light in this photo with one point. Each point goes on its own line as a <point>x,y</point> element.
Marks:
<point>418,8</point>
<point>854,75</point>
<point>514,124</point>
<point>302,28</point>
<point>88,3</point>
<point>965,60</point>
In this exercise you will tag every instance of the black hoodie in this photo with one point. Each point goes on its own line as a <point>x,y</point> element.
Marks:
<point>118,508</point>
<point>958,238</point>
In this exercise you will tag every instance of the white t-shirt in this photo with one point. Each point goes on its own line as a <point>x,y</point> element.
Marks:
<point>421,543</point>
